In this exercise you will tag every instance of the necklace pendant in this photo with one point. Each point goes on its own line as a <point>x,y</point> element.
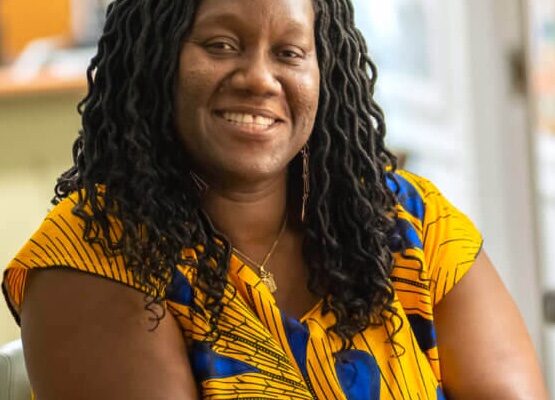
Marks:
<point>268,279</point>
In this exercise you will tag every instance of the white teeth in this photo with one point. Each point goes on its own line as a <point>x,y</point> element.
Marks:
<point>248,119</point>
<point>260,120</point>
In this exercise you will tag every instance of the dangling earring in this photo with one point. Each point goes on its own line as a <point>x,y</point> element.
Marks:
<point>201,185</point>
<point>306,180</point>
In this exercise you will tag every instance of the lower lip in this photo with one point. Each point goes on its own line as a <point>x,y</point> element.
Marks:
<point>249,132</point>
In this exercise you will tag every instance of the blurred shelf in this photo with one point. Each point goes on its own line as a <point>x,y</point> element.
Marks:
<point>43,83</point>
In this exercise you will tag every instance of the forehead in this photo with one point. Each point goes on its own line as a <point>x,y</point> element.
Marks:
<point>273,15</point>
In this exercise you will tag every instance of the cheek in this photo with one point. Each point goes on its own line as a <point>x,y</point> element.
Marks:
<point>196,78</point>
<point>193,90</point>
<point>193,84</point>
<point>305,102</point>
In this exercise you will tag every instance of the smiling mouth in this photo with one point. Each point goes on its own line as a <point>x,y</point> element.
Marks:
<point>247,121</point>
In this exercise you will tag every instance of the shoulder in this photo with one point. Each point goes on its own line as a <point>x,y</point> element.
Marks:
<point>57,240</point>
<point>59,243</point>
<point>413,192</point>
<point>421,203</point>
<point>432,238</point>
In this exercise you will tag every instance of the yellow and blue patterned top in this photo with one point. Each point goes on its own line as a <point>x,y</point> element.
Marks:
<point>263,353</point>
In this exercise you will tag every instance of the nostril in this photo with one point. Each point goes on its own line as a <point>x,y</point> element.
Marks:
<point>255,78</point>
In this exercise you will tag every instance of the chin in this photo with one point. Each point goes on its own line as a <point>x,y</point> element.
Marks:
<point>253,171</point>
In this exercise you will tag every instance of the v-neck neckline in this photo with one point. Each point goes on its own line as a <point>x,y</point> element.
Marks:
<point>241,273</point>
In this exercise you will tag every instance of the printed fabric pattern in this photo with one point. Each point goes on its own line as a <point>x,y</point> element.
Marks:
<point>264,354</point>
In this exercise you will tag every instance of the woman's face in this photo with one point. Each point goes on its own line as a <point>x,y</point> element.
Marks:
<point>247,87</point>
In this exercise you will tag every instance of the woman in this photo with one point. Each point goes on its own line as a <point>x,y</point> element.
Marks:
<point>231,179</point>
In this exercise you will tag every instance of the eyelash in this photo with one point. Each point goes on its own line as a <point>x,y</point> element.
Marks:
<point>219,46</point>
<point>295,54</point>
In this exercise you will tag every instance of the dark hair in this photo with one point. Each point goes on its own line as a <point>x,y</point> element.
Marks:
<point>129,166</point>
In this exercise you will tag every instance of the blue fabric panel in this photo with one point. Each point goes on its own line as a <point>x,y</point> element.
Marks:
<point>407,195</point>
<point>358,374</point>
<point>297,336</point>
<point>207,364</point>
<point>404,237</point>
<point>180,290</point>
<point>424,331</point>
<point>440,395</point>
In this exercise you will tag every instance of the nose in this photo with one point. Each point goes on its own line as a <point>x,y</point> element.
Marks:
<point>256,75</point>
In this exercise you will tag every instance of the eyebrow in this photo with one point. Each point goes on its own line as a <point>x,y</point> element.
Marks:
<point>227,18</point>
<point>212,18</point>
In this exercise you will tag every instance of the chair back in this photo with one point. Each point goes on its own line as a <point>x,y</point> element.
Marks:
<point>14,382</point>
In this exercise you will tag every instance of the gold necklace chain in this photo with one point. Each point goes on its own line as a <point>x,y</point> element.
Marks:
<point>265,276</point>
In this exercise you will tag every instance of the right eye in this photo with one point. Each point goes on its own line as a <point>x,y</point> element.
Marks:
<point>221,47</point>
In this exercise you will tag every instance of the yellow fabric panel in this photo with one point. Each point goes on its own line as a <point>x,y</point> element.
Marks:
<point>252,385</point>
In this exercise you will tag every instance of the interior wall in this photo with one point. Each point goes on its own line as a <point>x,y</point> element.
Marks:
<point>502,136</point>
<point>36,134</point>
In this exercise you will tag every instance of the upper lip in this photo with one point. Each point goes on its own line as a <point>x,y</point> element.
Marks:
<point>264,112</point>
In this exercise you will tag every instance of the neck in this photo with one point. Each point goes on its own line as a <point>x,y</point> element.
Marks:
<point>251,218</point>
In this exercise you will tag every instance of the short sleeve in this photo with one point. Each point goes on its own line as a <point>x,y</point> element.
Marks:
<point>59,243</point>
<point>448,239</point>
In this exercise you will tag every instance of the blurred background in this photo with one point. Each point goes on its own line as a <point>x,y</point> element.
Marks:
<point>468,88</point>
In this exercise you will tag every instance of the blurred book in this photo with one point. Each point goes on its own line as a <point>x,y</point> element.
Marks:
<point>77,22</point>
<point>23,21</point>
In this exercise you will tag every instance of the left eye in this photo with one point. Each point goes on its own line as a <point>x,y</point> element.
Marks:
<point>290,54</point>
